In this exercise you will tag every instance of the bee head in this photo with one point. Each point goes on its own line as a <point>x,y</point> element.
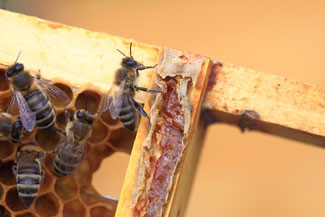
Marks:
<point>17,67</point>
<point>129,62</point>
<point>85,116</point>
<point>5,125</point>
<point>22,81</point>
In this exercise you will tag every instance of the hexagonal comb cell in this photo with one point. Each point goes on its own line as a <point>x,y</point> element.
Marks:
<point>4,212</point>
<point>100,132</point>
<point>13,201</point>
<point>6,149</point>
<point>48,162</point>
<point>62,119</point>
<point>48,140</point>
<point>47,205</point>
<point>6,175</point>
<point>4,104</point>
<point>66,188</point>
<point>56,102</point>
<point>106,117</point>
<point>84,175</point>
<point>122,139</point>
<point>90,196</point>
<point>100,211</point>
<point>46,184</point>
<point>74,208</point>
<point>97,154</point>
<point>26,215</point>
<point>93,101</point>
<point>4,83</point>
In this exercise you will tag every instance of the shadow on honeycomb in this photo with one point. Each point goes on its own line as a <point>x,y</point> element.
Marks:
<point>65,196</point>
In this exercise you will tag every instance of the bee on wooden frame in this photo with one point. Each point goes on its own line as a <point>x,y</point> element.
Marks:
<point>28,172</point>
<point>32,97</point>
<point>120,99</point>
<point>70,151</point>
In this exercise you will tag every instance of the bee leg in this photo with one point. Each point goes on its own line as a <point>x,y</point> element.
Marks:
<point>40,155</point>
<point>67,113</point>
<point>138,107</point>
<point>14,170</point>
<point>146,90</point>
<point>42,176</point>
<point>143,68</point>
<point>60,131</point>
<point>56,148</point>
<point>32,140</point>
<point>38,76</point>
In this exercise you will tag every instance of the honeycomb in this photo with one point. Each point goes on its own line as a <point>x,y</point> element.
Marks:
<point>65,196</point>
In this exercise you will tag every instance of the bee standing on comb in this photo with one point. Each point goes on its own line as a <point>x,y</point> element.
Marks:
<point>28,172</point>
<point>70,151</point>
<point>32,97</point>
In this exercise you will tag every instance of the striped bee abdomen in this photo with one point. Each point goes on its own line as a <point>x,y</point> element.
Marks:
<point>66,162</point>
<point>39,103</point>
<point>29,179</point>
<point>128,114</point>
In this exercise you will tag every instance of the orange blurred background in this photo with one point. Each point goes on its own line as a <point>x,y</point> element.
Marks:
<point>239,175</point>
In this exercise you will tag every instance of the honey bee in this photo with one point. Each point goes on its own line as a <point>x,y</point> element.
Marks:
<point>71,150</point>
<point>120,101</point>
<point>31,94</point>
<point>28,172</point>
<point>11,128</point>
<point>248,120</point>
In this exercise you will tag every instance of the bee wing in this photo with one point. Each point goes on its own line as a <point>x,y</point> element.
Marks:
<point>113,100</point>
<point>51,90</point>
<point>78,151</point>
<point>116,99</point>
<point>27,116</point>
<point>82,148</point>
<point>11,104</point>
<point>104,105</point>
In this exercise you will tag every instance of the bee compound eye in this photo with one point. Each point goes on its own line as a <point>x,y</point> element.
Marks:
<point>19,67</point>
<point>14,69</point>
<point>133,63</point>
<point>10,72</point>
<point>79,114</point>
<point>5,125</point>
<point>130,62</point>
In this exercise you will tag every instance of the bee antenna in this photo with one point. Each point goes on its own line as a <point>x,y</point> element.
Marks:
<point>18,56</point>
<point>131,50</point>
<point>33,141</point>
<point>86,101</point>
<point>4,65</point>
<point>121,52</point>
